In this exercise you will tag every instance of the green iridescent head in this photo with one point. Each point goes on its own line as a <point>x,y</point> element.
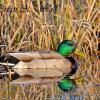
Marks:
<point>66,47</point>
<point>67,84</point>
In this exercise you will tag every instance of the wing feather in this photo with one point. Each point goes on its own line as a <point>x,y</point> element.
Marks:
<point>29,56</point>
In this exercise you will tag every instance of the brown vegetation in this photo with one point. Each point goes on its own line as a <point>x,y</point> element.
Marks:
<point>26,26</point>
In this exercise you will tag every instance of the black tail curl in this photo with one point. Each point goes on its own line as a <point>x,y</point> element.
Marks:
<point>4,69</point>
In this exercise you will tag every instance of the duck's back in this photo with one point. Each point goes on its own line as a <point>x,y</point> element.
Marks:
<point>37,54</point>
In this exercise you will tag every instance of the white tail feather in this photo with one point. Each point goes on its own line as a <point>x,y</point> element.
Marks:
<point>7,64</point>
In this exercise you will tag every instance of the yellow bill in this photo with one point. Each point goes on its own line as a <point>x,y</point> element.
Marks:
<point>79,53</point>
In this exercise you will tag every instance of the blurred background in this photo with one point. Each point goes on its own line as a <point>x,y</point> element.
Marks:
<point>27,25</point>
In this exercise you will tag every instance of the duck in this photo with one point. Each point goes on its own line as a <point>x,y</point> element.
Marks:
<point>40,66</point>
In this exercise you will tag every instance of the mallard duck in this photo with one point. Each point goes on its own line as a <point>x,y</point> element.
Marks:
<point>40,66</point>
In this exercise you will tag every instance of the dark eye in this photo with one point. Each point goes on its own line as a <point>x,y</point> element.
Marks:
<point>70,44</point>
